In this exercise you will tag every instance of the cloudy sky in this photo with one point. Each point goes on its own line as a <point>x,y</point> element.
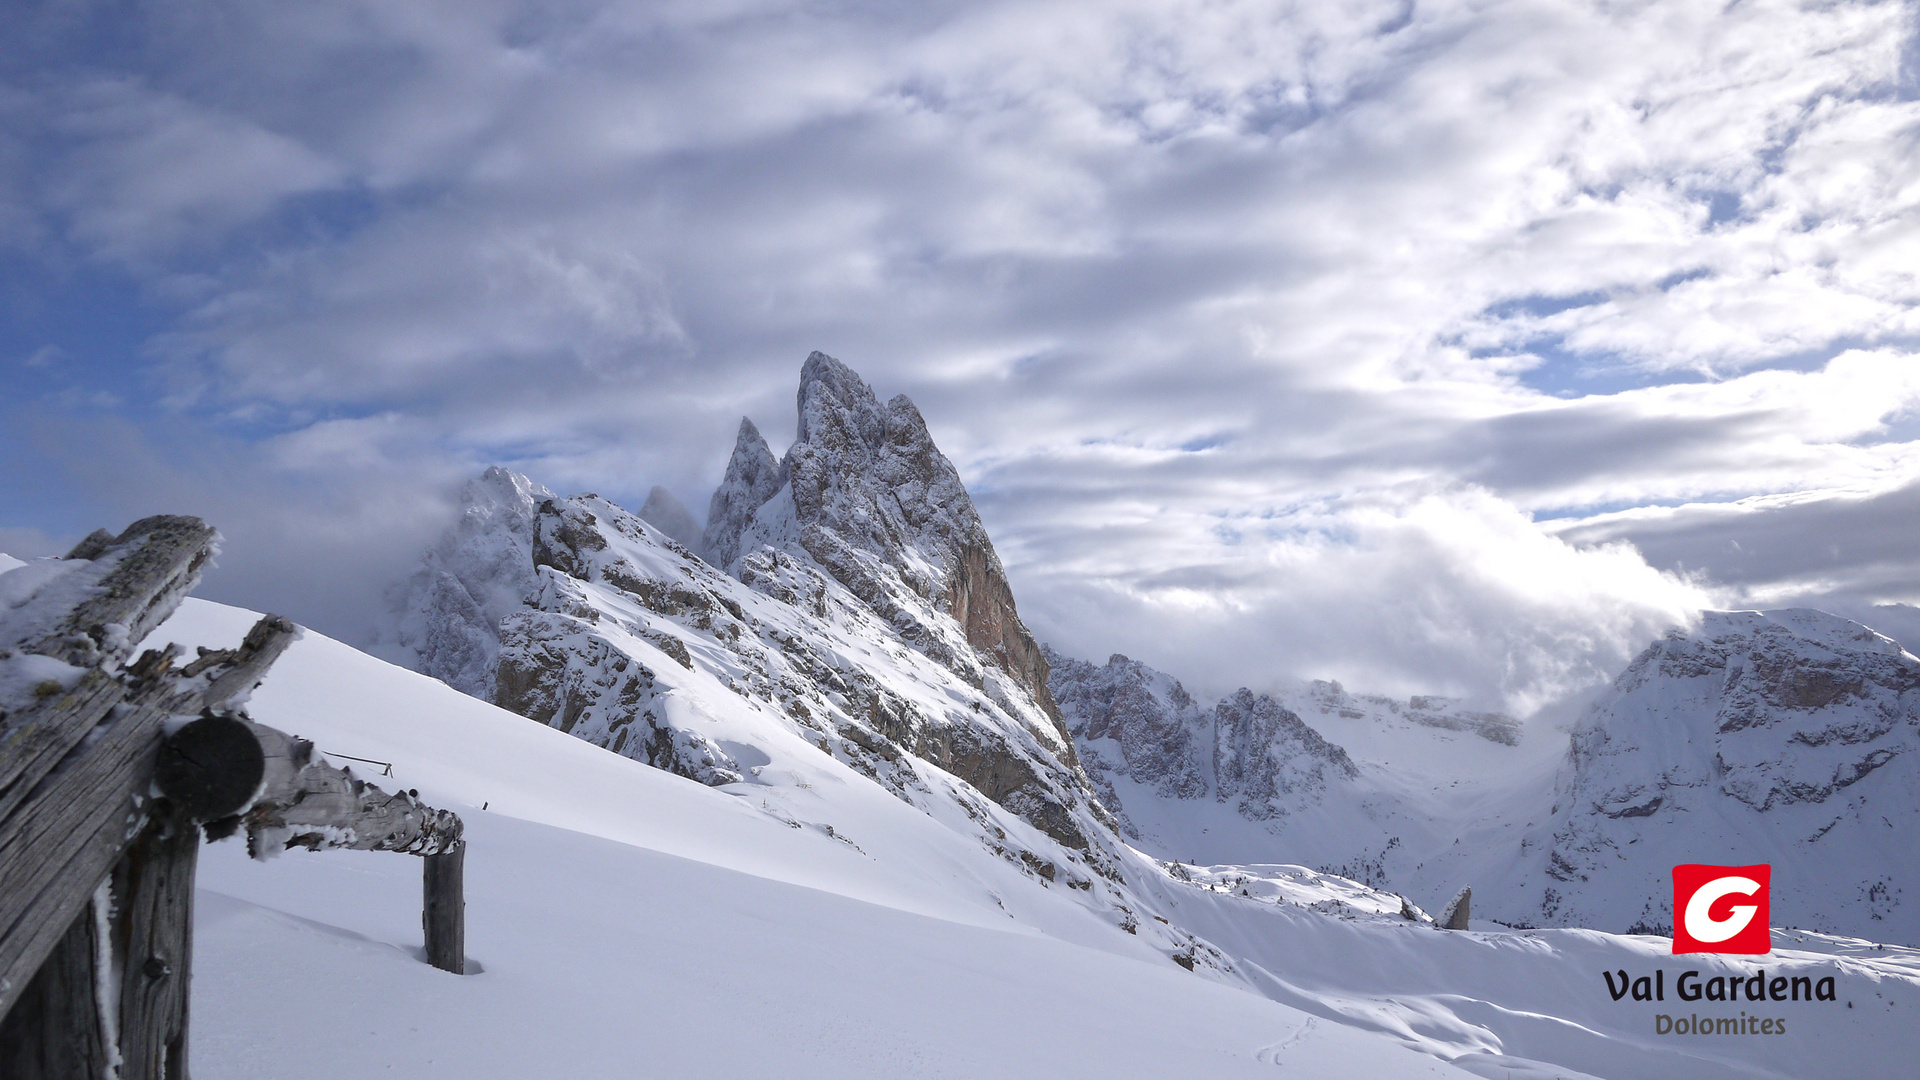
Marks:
<point>1436,345</point>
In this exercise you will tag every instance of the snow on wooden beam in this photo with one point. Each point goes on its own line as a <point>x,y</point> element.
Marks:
<point>87,848</point>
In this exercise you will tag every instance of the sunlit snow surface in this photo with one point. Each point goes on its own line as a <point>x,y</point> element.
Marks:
<point>630,922</point>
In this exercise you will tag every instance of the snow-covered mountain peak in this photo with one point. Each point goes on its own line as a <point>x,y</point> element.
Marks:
<point>753,476</point>
<point>1806,625</point>
<point>849,599</point>
<point>1790,737</point>
<point>499,491</point>
<point>632,643</point>
<point>446,615</point>
<point>869,477</point>
<point>665,512</point>
<point>865,494</point>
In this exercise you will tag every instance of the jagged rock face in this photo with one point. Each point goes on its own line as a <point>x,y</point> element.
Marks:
<point>779,685</point>
<point>1266,758</point>
<point>668,514</point>
<point>1247,749</point>
<point>869,497</point>
<point>1786,737</point>
<point>1428,710</point>
<point>1152,720</point>
<point>447,613</point>
<point>630,642</point>
<point>754,475</point>
<point>864,503</point>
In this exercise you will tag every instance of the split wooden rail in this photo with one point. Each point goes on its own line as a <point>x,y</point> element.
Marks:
<point>110,771</point>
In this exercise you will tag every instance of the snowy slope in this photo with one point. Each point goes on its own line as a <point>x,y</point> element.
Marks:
<point>628,919</point>
<point>624,915</point>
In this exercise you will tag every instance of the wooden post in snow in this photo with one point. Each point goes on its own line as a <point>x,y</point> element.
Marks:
<point>443,908</point>
<point>154,887</point>
<point>96,872</point>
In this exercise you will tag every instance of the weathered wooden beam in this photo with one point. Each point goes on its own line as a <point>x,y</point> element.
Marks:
<point>153,895</point>
<point>299,800</point>
<point>55,1030</point>
<point>77,771</point>
<point>59,843</point>
<point>443,908</point>
<point>133,584</point>
<point>78,824</point>
<point>211,767</point>
<point>39,738</point>
<point>91,617</point>
<point>73,773</point>
<point>320,807</point>
<point>75,766</point>
<point>222,677</point>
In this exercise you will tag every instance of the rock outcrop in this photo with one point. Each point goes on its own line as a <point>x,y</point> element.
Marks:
<point>865,494</point>
<point>630,642</point>
<point>862,542</point>
<point>1266,759</point>
<point>1160,732</point>
<point>1789,737</point>
<point>1246,749</point>
<point>447,614</point>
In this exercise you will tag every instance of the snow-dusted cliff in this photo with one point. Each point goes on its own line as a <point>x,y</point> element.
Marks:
<point>1369,787</point>
<point>1783,737</point>
<point>446,615</point>
<point>865,494</point>
<point>1246,749</point>
<point>862,626</point>
<point>1786,737</point>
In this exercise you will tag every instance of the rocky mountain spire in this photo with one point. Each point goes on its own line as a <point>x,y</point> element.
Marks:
<point>877,504</point>
<point>754,475</point>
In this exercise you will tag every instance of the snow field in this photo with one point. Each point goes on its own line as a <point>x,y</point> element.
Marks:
<point>628,921</point>
<point>673,930</point>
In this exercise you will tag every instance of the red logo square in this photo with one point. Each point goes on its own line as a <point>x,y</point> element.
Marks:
<point>1721,909</point>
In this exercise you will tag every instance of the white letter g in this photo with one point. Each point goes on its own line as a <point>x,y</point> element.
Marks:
<point>1705,928</point>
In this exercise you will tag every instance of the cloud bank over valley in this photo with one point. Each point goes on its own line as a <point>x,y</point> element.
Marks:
<point>1435,347</point>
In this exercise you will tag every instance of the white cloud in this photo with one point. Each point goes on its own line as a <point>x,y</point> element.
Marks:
<point>1385,277</point>
<point>1452,591</point>
<point>150,171</point>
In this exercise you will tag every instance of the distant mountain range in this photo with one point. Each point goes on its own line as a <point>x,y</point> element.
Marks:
<point>846,595</point>
<point>1784,737</point>
<point>867,780</point>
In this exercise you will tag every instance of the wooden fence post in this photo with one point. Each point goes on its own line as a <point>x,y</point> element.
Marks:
<point>96,872</point>
<point>153,886</point>
<point>443,911</point>
<point>54,1029</point>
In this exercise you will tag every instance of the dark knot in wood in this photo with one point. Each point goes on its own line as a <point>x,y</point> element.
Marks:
<point>212,767</point>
